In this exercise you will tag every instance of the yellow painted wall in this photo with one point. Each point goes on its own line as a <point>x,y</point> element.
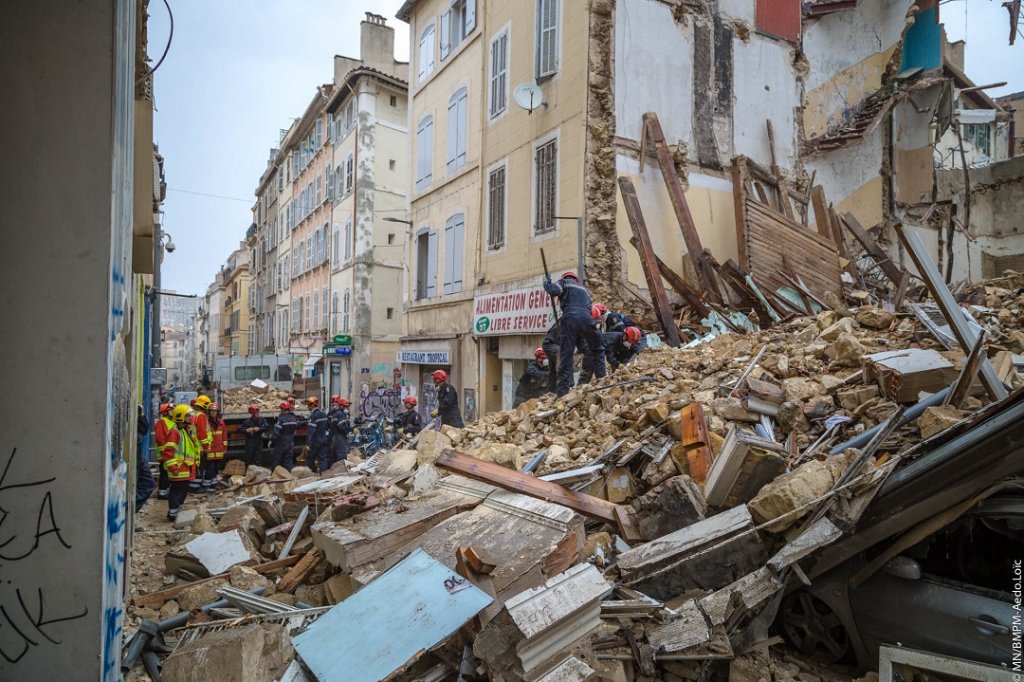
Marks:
<point>866,203</point>
<point>826,104</point>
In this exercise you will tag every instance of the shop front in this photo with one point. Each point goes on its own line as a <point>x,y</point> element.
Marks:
<point>418,360</point>
<point>510,326</point>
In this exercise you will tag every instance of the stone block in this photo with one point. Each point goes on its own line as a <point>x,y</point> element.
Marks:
<point>201,594</point>
<point>234,467</point>
<point>245,578</point>
<point>397,463</point>
<point>852,398</point>
<point>795,489</point>
<point>832,332</point>
<point>874,318</point>
<point>936,419</point>
<point>733,410</point>
<point>255,653</point>
<point>430,445</point>
<point>799,389</point>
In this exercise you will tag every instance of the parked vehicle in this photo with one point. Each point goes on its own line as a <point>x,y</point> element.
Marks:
<point>233,371</point>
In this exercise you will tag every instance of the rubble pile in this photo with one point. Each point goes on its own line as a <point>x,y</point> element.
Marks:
<point>237,400</point>
<point>645,526</point>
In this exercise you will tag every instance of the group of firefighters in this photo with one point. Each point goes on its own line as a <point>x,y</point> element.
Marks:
<point>191,440</point>
<point>598,334</point>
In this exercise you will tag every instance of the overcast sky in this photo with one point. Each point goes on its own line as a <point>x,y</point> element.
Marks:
<point>238,71</point>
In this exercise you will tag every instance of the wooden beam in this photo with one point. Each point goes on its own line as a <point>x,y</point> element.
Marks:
<point>682,288</point>
<point>874,250</point>
<point>509,479</point>
<point>647,259</point>
<point>696,457</point>
<point>821,216</point>
<point>158,598</point>
<point>654,133</point>
<point>739,198</point>
<point>780,182</point>
<point>300,571</point>
<point>962,387</point>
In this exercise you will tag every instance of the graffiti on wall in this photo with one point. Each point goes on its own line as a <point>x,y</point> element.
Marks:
<point>384,400</point>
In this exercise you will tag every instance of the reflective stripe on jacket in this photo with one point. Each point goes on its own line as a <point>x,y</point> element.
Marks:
<point>178,456</point>
<point>218,439</point>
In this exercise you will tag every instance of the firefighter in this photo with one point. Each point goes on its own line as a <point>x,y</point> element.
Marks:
<point>284,437</point>
<point>447,401</point>
<point>255,429</point>
<point>218,448</point>
<point>161,430</point>
<point>577,329</point>
<point>599,311</point>
<point>621,347</point>
<point>409,423</point>
<point>201,423</point>
<point>318,437</point>
<point>178,457</point>
<point>534,382</point>
<point>617,322</point>
<point>340,427</point>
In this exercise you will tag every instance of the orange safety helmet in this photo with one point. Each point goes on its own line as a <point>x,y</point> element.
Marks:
<point>570,275</point>
<point>540,354</point>
<point>254,410</point>
<point>411,401</point>
<point>166,408</point>
<point>632,334</point>
<point>440,375</point>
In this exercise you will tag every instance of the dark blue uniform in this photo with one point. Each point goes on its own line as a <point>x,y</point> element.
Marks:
<point>284,440</point>
<point>448,406</point>
<point>409,423</point>
<point>578,330</point>
<point>617,322</point>
<point>616,350</point>
<point>533,383</point>
<point>254,440</point>
<point>340,428</point>
<point>318,439</point>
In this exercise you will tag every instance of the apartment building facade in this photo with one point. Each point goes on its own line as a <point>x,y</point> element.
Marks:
<point>262,245</point>
<point>235,330</point>
<point>367,129</point>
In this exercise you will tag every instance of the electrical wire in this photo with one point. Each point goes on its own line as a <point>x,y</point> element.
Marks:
<point>170,37</point>
<point>212,196</point>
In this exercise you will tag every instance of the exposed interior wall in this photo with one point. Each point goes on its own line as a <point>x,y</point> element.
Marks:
<point>848,53</point>
<point>766,89</point>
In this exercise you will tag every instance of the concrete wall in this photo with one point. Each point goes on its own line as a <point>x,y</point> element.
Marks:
<point>67,213</point>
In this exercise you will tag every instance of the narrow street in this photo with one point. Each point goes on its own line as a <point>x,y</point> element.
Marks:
<point>512,341</point>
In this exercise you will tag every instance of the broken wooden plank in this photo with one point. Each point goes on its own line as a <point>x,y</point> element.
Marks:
<point>880,257</point>
<point>653,275</point>
<point>653,132</point>
<point>300,571</point>
<point>156,599</point>
<point>691,295</point>
<point>745,463</point>
<point>821,217</point>
<point>821,533</point>
<point>495,474</point>
<point>693,456</point>
<point>965,335</point>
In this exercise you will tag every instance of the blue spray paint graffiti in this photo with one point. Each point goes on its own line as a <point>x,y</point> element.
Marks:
<point>384,400</point>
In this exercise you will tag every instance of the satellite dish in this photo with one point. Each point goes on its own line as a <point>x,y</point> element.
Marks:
<point>529,96</point>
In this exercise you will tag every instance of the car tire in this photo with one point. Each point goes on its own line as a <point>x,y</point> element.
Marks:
<point>813,628</point>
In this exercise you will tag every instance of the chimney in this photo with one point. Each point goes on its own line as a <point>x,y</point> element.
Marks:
<point>377,43</point>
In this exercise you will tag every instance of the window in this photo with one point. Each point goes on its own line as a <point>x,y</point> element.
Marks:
<point>547,38</point>
<point>499,74</point>
<point>391,238</point>
<point>424,153</point>
<point>545,177</point>
<point>323,320</point>
<point>348,240</point>
<point>344,312</point>
<point>339,181</point>
<point>496,208</point>
<point>337,244</point>
<point>390,313</point>
<point>393,101</point>
<point>319,192</point>
<point>295,315</point>
<point>319,137</point>
<point>316,308</point>
<point>426,265</point>
<point>391,164</point>
<point>306,321</point>
<point>334,313</point>
<point>309,253</point>
<point>426,66</point>
<point>349,174</point>
<point>454,240</point>
<point>457,120</point>
<point>456,24</point>
<point>979,134</point>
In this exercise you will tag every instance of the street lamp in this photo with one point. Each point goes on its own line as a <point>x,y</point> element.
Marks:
<point>397,220</point>
<point>161,240</point>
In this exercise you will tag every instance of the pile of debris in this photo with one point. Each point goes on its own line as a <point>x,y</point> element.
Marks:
<point>645,526</point>
<point>266,396</point>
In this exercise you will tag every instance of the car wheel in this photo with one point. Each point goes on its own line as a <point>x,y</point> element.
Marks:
<point>813,628</point>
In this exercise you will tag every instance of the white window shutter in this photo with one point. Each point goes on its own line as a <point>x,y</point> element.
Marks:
<point>432,265</point>
<point>453,133</point>
<point>458,240</point>
<point>470,17</point>
<point>462,137</point>
<point>449,255</point>
<point>446,34</point>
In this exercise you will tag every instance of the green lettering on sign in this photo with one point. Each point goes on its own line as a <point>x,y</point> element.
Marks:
<point>343,340</point>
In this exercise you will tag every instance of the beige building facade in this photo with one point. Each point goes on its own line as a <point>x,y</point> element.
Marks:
<point>235,312</point>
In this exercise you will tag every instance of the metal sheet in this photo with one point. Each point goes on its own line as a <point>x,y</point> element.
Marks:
<point>412,607</point>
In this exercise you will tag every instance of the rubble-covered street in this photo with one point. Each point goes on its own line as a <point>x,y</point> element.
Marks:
<point>653,525</point>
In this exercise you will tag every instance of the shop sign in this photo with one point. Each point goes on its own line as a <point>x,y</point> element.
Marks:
<point>520,311</point>
<point>424,357</point>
